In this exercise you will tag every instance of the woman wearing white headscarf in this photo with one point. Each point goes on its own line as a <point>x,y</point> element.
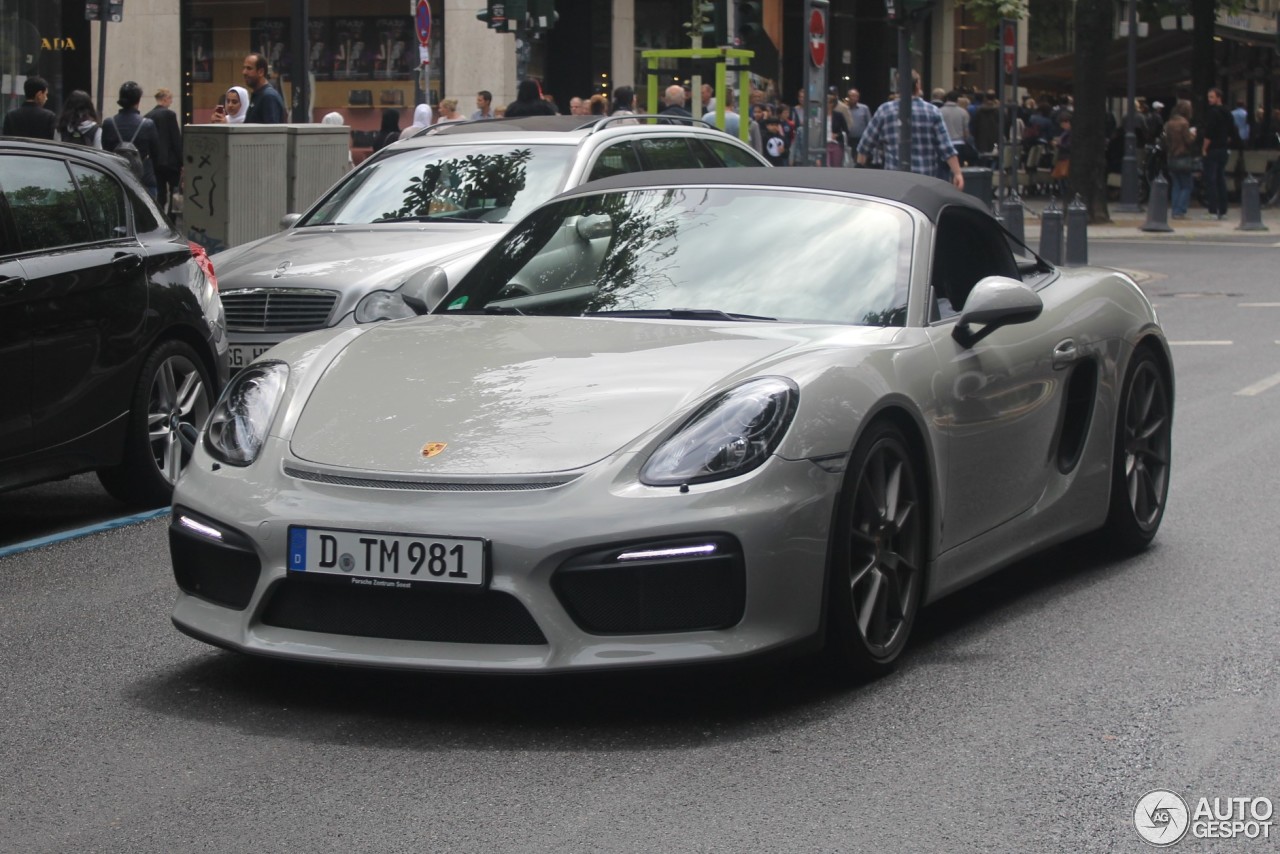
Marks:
<point>422,118</point>
<point>335,119</point>
<point>235,109</point>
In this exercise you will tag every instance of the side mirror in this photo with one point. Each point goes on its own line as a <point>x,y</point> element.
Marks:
<point>288,220</point>
<point>425,290</point>
<point>594,226</point>
<point>994,302</point>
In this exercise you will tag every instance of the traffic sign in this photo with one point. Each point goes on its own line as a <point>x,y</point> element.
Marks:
<point>818,38</point>
<point>422,20</point>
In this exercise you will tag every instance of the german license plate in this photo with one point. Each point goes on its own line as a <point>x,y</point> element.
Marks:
<point>241,355</point>
<point>372,559</point>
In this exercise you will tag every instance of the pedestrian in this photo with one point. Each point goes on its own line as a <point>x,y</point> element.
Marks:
<point>1215,140</point>
<point>529,101</point>
<point>598,106</point>
<point>389,132</point>
<point>1062,152</point>
<point>1180,145</point>
<point>859,118</point>
<point>986,126</point>
<point>773,141</point>
<point>169,153</point>
<point>31,119</point>
<point>266,107</point>
<point>674,100</point>
<point>422,119</point>
<point>578,107</point>
<point>234,107</point>
<point>623,104</point>
<point>130,126</point>
<point>334,119</point>
<point>837,131</point>
<point>484,105</point>
<point>78,121</point>
<point>448,111</point>
<point>1240,116</point>
<point>930,142</point>
<point>956,118</point>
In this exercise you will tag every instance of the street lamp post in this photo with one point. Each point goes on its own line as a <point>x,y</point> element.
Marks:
<point>1129,166</point>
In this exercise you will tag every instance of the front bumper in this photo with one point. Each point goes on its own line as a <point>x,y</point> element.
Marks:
<point>530,618</point>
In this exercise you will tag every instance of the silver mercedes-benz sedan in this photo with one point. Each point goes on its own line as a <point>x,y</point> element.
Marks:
<point>679,417</point>
<point>419,213</point>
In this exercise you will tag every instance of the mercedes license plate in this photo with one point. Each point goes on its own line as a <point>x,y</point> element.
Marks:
<point>387,560</point>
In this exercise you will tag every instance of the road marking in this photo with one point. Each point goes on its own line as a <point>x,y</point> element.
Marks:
<point>1258,305</point>
<point>1200,343</point>
<point>1260,386</point>
<point>86,531</point>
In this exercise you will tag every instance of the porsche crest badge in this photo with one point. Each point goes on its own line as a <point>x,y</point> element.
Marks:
<point>432,448</point>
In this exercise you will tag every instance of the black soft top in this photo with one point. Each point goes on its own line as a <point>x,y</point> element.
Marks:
<point>926,194</point>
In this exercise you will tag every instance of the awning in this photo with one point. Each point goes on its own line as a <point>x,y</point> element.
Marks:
<point>1164,62</point>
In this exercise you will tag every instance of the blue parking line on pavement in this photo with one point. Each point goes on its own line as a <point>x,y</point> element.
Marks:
<point>86,531</point>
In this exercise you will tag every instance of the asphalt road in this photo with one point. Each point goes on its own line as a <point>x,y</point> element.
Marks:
<point>1030,714</point>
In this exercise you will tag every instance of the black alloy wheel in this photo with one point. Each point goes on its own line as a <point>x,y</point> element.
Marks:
<point>171,402</point>
<point>1143,450</point>
<point>877,556</point>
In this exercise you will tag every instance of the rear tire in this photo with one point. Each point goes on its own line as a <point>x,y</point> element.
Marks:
<point>170,404</point>
<point>876,572</point>
<point>1141,458</point>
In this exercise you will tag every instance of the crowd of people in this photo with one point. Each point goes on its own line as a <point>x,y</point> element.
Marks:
<point>951,130</point>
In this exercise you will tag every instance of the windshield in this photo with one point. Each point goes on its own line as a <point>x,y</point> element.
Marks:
<point>484,183</point>
<point>701,253</point>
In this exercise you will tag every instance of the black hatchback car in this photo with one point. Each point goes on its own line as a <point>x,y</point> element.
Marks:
<point>112,335</point>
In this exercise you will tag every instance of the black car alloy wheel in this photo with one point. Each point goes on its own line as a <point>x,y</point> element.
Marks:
<point>171,402</point>
<point>878,554</point>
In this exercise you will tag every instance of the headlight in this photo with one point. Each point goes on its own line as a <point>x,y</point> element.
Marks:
<point>731,435</point>
<point>382,305</point>
<point>238,425</point>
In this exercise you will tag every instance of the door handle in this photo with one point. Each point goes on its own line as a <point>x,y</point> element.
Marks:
<point>126,261</point>
<point>1065,354</point>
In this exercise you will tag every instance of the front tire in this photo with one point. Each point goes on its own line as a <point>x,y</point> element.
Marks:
<point>1141,458</point>
<point>170,403</point>
<point>876,574</point>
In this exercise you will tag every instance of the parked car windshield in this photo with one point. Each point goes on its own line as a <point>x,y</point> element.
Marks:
<point>700,253</point>
<point>484,183</point>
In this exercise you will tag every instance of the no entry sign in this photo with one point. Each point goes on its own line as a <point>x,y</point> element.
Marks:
<point>818,38</point>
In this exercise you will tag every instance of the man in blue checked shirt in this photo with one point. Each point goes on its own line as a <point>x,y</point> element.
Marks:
<point>930,142</point>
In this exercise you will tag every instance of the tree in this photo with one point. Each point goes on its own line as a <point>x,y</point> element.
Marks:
<point>1088,177</point>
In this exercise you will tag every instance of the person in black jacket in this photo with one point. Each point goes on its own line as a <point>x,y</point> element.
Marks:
<point>129,125</point>
<point>169,154</point>
<point>32,119</point>
<point>529,101</point>
<point>390,130</point>
<point>1215,142</point>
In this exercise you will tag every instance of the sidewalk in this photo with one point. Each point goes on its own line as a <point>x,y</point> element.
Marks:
<point>1128,226</point>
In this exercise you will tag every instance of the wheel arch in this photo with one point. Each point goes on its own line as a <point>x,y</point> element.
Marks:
<point>192,338</point>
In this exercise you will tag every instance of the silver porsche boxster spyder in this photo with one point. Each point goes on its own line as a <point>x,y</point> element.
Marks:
<point>676,417</point>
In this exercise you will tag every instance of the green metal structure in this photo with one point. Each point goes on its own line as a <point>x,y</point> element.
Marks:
<point>721,56</point>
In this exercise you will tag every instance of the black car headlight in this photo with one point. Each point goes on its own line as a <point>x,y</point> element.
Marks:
<point>731,435</point>
<point>238,425</point>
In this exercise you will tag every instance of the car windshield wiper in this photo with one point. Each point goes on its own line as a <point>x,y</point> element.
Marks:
<point>679,314</point>
<point>488,309</point>
<point>426,218</point>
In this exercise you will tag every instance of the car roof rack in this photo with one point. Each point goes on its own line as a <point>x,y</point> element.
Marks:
<point>563,124</point>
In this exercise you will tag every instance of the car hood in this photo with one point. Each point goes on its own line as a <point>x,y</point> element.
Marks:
<point>518,395</point>
<point>349,257</point>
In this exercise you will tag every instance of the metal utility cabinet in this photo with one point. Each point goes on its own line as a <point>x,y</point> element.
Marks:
<point>239,180</point>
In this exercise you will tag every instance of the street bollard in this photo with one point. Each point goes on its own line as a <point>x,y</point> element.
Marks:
<point>1250,206</point>
<point>1158,206</point>
<point>1051,233</point>
<point>1077,233</point>
<point>1011,216</point>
